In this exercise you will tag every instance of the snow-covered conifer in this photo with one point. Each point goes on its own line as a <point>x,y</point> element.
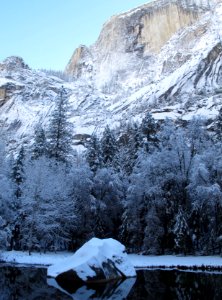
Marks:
<point>18,172</point>
<point>108,146</point>
<point>181,232</point>
<point>59,133</point>
<point>39,147</point>
<point>93,153</point>
<point>149,129</point>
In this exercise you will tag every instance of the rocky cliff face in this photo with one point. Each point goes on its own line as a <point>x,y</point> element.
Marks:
<point>133,40</point>
<point>164,57</point>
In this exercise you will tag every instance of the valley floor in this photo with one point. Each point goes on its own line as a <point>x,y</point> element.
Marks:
<point>139,261</point>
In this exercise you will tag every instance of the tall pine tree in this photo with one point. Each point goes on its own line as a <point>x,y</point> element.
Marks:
<point>59,133</point>
<point>218,124</point>
<point>109,146</point>
<point>18,172</point>
<point>93,154</point>
<point>149,129</point>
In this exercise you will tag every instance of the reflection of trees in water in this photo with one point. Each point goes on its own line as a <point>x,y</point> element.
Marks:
<point>31,284</point>
<point>198,286</point>
<point>159,284</point>
<point>26,284</point>
<point>150,285</point>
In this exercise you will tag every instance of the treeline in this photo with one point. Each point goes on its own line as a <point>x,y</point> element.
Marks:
<point>155,187</point>
<point>58,73</point>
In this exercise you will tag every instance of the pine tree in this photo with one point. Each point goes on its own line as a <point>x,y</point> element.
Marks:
<point>182,233</point>
<point>109,191</point>
<point>18,172</point>
<point>153,233</point>
<point>108,146</point>
<point>131,148</point>
<point>93,154</point>
<point>218,124</point>
<point>59,133</point>
<point>149,129</point>
<point>40,145</point>
<point>18,177</point>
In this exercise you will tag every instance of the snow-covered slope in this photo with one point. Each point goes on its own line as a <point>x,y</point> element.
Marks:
<point>164,57</point>
<point>26,98</point>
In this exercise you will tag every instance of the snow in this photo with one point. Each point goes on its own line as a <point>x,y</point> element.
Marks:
<point>143,261</point>
<point>138,261</point>
<point>201,3</point>
<point>94,253</point>
<point>163,115</point>
<point>4,81</point>
<point>20,257</point>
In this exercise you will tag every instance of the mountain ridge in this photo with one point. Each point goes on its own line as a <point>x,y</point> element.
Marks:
<point>180,80</point>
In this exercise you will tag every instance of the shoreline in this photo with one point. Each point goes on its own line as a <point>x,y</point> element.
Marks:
<point>183,263</point>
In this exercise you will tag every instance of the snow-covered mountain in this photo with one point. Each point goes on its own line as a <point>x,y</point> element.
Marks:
<point>164,57</point>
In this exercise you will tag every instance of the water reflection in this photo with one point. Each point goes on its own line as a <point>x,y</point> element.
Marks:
<point>173,284</point>
<point>117,290</point>
<point>26,283</point>
<point>31,284</point>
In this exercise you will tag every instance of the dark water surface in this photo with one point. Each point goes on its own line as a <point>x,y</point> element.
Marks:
<point>29,283</point>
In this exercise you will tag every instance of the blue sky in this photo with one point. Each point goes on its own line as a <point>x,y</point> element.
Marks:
<point>46,32</point>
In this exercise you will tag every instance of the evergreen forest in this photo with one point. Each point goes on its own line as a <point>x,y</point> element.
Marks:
<point>154,186</point>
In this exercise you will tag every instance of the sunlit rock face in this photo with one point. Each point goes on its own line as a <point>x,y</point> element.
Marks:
<point>145,29</point>
<point>130,42</point>
<point>80,62</point>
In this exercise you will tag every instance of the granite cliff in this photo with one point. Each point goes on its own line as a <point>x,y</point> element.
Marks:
<point>133,41</point>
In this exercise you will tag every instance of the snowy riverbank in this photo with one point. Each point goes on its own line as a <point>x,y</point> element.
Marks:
<point>139,261</point>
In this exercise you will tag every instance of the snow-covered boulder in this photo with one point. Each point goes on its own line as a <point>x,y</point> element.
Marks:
<point>98,260</point>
